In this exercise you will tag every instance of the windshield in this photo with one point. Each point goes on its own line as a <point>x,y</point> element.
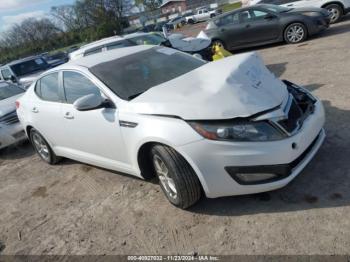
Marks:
<point>29,67</point>
<point>151,39</point>
<point>8,90</point>
<point>276,8</point>
<point>132,75</point>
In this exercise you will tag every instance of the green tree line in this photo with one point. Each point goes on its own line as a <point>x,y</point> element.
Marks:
<point>84,21</point>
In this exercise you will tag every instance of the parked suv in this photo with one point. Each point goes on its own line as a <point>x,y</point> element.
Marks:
<point>24,71</point>
<point>337,8</point>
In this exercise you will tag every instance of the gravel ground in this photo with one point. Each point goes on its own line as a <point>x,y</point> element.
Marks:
<point>73,208</point>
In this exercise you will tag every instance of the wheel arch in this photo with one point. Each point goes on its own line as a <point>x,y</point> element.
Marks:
<point>27,129</point>
<point>334,3</point>
<point>146,168</point>
<point>295,22</point>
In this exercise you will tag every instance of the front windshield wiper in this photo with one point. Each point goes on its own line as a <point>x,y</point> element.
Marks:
<point>134,95</point>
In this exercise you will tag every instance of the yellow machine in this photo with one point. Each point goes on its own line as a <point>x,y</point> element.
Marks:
<point>219,52</point>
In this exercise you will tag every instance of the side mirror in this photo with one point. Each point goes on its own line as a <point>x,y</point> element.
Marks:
<point>90,102</point>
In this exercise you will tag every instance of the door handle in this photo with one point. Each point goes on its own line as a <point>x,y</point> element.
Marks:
<point>68,115</point>
<point>35,110</point>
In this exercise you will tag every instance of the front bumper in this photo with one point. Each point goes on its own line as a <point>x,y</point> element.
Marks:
<point>11,134</point>
<point>209,158</point>
<point>319,24</point>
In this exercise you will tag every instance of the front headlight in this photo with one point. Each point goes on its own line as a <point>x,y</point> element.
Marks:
<point>237,130</point>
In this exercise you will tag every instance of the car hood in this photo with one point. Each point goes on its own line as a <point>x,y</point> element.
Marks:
<point>8,105</point>
<point>237,86</point>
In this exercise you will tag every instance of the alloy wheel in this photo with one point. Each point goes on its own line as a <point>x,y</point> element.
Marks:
<point>41,147</point>
<point>295,33</point>
<point>164,178</point>
<point>334,14</point>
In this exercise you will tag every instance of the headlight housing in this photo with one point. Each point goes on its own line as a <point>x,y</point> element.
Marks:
<point>229,130</point>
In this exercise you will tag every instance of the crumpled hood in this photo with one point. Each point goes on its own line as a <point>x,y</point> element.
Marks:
<point>237,86</point>
<point>8,105</point>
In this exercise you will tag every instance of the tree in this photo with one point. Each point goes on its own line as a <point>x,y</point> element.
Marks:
<point>152,5</point>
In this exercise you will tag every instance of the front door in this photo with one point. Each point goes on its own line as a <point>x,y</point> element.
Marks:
<point>93,135</point>
<point>258,26</point>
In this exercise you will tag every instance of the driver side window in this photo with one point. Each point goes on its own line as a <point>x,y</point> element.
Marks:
<point>258,14</point>
<point>77,86</point>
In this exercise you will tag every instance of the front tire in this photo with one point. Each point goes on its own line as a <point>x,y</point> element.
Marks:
<point>336,12</point>
<point>43,148</point>
<point>295,33</point>
<point>177,179</point>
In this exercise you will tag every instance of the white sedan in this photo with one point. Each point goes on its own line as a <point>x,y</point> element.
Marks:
<point>223,128</point>
<point>11,130</point>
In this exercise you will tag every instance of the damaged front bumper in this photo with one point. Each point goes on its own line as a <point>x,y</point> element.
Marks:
<point>222,165</point>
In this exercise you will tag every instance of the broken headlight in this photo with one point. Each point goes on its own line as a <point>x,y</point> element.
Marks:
<point>237,130</point>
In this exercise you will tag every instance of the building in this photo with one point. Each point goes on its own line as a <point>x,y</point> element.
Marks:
<point>173,6</point>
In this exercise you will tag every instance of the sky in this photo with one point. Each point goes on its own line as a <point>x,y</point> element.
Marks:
<point>15,11</point>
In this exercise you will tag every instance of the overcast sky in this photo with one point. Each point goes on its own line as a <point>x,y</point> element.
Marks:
<point>15,11</point>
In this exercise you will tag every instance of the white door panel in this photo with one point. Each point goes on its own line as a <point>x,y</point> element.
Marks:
<point>46,118</point>
<point>95,135</point>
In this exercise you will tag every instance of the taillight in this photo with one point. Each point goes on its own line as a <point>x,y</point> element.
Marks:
<point>17,104</point>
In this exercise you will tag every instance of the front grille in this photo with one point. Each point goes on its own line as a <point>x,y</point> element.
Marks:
<point>9,119</point>
<point>292,122</point>
<point>299,106</point>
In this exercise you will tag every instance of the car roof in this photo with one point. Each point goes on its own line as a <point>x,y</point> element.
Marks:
<point>23,60</point>
<point>105,41</point>
<point>92,60</point>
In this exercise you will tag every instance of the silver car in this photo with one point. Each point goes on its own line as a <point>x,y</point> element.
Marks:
<point>10,129</point>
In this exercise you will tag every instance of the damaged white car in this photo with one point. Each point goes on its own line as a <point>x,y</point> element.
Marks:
<point>223,128</point>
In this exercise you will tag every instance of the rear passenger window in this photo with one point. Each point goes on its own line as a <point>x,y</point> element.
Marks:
<point>229,19</point>
<point>48,88</point>
<point>77,86</point>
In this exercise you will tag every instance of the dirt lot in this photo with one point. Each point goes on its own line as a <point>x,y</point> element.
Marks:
<point>73,208</point>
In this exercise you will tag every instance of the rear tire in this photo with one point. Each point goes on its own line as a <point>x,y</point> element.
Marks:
<point>43,148</point>
<point>177,179</point>
<point>295,33</point>
<point>191,21</point>
<point>336,12</point>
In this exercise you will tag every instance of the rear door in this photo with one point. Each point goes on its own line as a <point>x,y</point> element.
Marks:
<point>230,30</point>
<point>259,26</point>
<point>46,109</point>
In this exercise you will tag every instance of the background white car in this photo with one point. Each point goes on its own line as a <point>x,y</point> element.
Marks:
<point>224,128</point>
<point>114,42</point>
<point>337,8</point>
<point>11,130</point>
